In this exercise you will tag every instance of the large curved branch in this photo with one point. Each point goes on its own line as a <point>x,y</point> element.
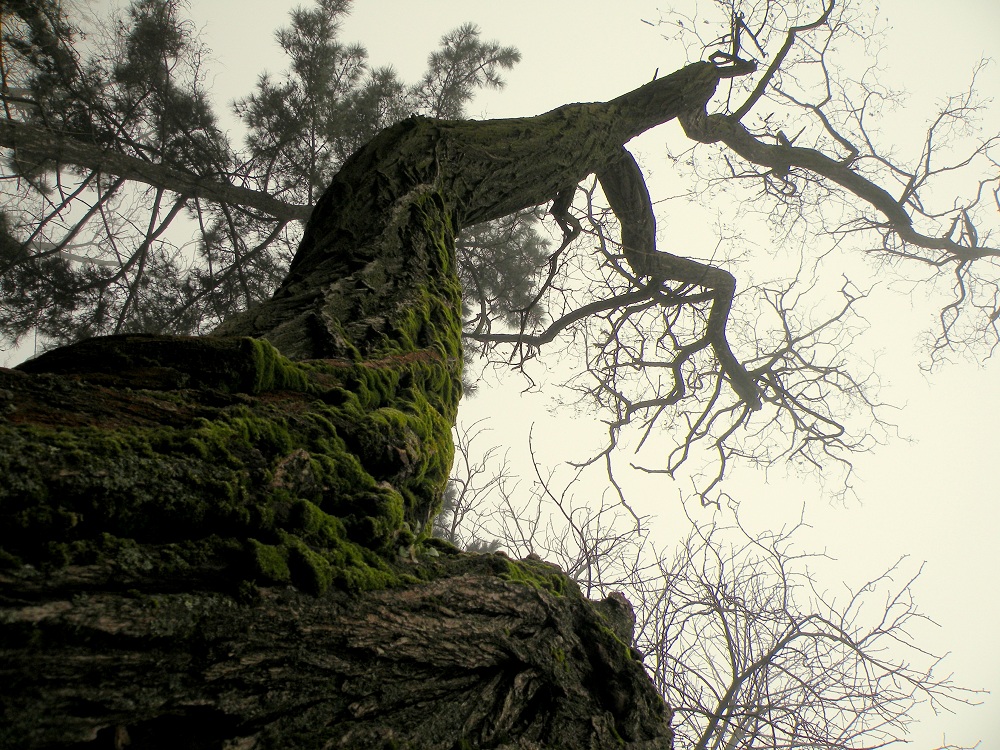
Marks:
<point>62,148</point>
<point>716,128</point>
<point>625,189</point>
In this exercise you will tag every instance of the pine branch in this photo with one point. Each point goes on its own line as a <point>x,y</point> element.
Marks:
<point>70,151</point>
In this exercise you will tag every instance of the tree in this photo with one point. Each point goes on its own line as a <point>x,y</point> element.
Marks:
<point>460,521</point>
<point>793,143</point>
<point>734,629</point>
<point>156,222</point>
<point>750,653</point>
<point>307,442</point>
<point>660,353</point>
<point>320,472</point>
<point>135,110</point>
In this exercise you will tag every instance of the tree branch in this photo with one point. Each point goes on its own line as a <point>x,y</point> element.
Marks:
<point>68,150</point>
<point>714,128</point>
<point>779,58</point>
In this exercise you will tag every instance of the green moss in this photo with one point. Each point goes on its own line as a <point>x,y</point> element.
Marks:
<point>615,641</point>
<point>441,546</point>
<point>325,480</point>
<point>270,371</point>
<point>270,562</point>
<point>540,575</point>
<point>221,451</point>
<point>8,560</point>
<point>311,571</point>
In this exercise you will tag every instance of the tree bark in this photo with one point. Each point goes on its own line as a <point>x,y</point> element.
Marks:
<point>470,656</point>
<point>222,542</point>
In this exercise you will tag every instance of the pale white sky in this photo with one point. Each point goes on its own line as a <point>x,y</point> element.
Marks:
<point>934,498</point>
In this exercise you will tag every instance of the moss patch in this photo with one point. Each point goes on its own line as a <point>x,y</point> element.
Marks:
<point>541,575</point>
<point>320,471</point>
<point>314,473</point>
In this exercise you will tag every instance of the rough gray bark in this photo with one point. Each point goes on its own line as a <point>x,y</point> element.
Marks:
<point>469,657</point>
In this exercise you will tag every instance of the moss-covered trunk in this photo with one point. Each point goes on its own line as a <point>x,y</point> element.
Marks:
<point>220,542</point>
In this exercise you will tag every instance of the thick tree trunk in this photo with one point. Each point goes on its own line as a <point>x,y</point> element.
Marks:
<point>221,542</point>
<point>205,545</point>
<point>472,656</point>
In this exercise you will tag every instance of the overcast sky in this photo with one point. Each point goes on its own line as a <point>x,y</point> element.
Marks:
<point>934,496</point>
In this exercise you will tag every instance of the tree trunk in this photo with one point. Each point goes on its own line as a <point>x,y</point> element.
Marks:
<point>474,653</point>
<point>222,542</point>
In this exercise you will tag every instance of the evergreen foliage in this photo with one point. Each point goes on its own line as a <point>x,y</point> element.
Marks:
<point>86,253</point>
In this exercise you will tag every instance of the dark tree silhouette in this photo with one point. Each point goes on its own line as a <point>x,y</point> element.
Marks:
<point>224,540</point>
<point>130,210</point>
